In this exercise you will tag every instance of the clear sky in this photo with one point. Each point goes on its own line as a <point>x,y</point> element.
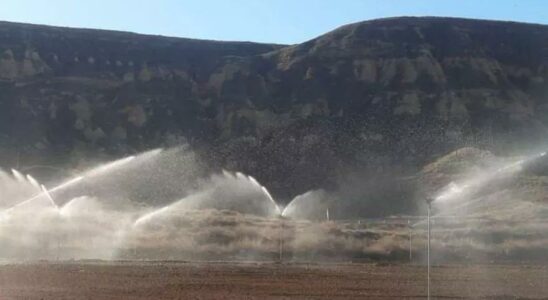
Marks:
<point>276,21</point>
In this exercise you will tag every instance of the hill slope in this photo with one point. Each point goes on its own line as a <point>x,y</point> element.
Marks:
<point>382,95</point>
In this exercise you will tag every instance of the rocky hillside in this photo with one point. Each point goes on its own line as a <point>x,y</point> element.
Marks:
<point>374,97</point>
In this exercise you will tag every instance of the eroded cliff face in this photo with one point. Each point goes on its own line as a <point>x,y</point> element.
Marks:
<point>381,95</point>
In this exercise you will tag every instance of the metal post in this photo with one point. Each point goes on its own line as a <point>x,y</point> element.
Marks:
<point>281,240</point>
<point>58,247</point>
<point>410,240</point>
<point>428,249</point>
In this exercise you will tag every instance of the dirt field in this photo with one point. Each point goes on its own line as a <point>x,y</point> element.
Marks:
<point>170,280</point>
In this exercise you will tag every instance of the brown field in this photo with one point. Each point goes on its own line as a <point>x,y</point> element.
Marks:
<point>178,280</point>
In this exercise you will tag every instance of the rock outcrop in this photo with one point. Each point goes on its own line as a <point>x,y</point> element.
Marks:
<point>389,94</point>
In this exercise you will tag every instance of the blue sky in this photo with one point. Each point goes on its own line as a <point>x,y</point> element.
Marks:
<point>276,21</point>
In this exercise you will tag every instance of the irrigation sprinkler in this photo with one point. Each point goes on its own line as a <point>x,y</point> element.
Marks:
<point>429,210</point>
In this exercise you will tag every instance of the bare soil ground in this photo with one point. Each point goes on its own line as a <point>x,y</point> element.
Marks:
<point>177,280</point>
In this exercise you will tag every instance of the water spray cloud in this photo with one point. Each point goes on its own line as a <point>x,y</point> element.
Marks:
<point>221,213</point>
